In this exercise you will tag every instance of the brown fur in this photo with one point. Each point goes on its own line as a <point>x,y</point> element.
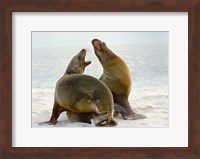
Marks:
<point>83,97</point>
<point>116,76</point>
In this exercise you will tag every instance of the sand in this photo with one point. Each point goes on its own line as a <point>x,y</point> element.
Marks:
<point>150,101</point>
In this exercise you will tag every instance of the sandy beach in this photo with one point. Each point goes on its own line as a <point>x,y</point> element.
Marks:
<point>150,101</point>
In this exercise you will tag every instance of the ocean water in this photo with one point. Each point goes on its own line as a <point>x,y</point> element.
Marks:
<point>146,54</point>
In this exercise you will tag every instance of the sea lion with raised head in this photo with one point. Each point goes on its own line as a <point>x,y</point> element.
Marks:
<point>116,76</point>
<point>84,97</point>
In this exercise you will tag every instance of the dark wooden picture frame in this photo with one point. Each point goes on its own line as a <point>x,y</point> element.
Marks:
<point>9,6</point>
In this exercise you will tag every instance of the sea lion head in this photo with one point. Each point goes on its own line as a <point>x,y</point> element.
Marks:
<point>103,53</point>
<point>77,64</point>
<point>114,67</point>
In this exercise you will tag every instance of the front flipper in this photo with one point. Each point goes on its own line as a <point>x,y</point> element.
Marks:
<point>119,108</point>
<point>133,116</point>
<point>123,107</point>
<point>57,110</point>
<point>50,122</point>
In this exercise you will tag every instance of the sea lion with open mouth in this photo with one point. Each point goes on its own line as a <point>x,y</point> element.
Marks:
<point>85,98</point>
<point>116,76</point>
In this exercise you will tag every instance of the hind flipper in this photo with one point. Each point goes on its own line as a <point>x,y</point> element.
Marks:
<point>112,122</point>
<point>99,120</point>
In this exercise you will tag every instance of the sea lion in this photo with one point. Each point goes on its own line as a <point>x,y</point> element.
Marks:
<point>116,76</point>
<point>84,97</point>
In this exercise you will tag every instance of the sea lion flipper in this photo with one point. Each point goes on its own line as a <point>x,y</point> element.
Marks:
<point>43,123</point>
<point>52,121</point>
<point>57,110</point>
<point>133,116</point>
<point>113,122</point>
<point>99,120</point>
<point>119,108</point>
<point>127,116</point>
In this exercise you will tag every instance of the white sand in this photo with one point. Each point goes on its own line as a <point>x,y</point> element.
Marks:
<point>152,102</point>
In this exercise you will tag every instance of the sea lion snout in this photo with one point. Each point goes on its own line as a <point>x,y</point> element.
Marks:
<point>97,44</point>
<point>78,63</point>
<point>101,50</point>
<point>83,50</point>
<point>82,55</point>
